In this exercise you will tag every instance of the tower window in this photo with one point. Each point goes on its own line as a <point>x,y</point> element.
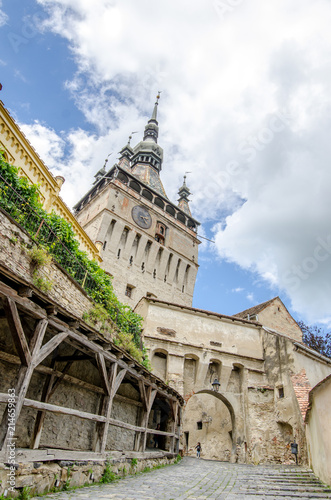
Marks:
<point>154,273</point>
<point>199,425</point>
<point>131,260</point>
<point>281,392</point>
<point>128,291</point>
<point>119,253</point>
<point>160,233</point>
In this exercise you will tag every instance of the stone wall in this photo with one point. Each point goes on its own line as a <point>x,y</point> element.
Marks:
<point>85,368</point>
<point>43,477</point>
<point>107,218</point>
<point>14,246</point>
<point>318,430</point>
<point>260,372</point>
<point>277,317</point>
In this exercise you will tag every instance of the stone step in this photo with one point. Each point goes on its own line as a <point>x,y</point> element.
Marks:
<point>294,488</point>
<point>289,494</point>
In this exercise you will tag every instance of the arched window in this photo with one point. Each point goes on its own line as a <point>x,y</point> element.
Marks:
<point>158,202</point>
<point>134,185</point>
<point>160,232</point>
<point>170,210</point>
<point>147,194</point>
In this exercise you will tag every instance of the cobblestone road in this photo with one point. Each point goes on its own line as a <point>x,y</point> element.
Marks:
<point>203,479</point>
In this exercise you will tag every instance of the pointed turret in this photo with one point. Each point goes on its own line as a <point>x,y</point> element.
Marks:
<point>146,161</point>
<point>183,201</point>
<point>126,154</point>
<point>101,173</point>
<point>152,129</point>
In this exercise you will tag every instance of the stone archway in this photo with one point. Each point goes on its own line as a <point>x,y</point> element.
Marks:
<point>209,417</point>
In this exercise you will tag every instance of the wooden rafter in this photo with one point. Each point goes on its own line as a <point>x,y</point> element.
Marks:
<point>50,347</point>
<point>103,373</point>
<point>17,332</point>
<point>24,376</point>
<point>113,365</point>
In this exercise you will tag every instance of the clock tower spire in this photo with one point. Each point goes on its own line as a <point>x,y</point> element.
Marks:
<point>147,157</point>
<point>148,243</point>
<point>183,201</point>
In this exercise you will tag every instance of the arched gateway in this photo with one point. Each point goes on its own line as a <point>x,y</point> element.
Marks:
<point>215,420</point>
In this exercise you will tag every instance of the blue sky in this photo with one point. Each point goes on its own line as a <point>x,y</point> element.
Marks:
<point>245,108</point>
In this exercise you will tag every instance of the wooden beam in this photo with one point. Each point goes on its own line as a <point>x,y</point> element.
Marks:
<point>38,405</point>
<point>48,390</point>
<point>38,336</point>
<point>103,372</point>
<point>118,381</point>
<point>16,330</point>
<point>143,394</point>
<point>81,339</point>
<point>174,411</point>
<point>23,381</point>
<point>106,402</point>
<point>27,305</point>
<point>39,421</point>
<point>50,346</point>
<point>46,370</point>
<point>25,291</point>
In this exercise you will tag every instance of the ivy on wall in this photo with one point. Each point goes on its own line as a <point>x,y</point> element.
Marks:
<point>99,283</point>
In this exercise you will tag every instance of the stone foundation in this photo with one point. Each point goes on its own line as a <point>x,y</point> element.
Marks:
<point>43,477</point>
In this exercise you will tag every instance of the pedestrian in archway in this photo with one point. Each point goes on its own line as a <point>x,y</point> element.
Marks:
<point>198,448</point>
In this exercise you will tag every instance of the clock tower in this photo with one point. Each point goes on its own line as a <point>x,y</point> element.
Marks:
<point>148,244</point>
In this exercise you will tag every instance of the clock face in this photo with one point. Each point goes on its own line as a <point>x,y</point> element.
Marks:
<point>141,216</point>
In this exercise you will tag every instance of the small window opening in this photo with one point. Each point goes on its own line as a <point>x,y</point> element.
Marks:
<point>104,245</point>
<point>186,434</point>
<point>119,253</point>
<point>128,291</point>
<point>131,260</point>
<point>281,392</point>
<point>160,233</point>
<point>143,267</point>
<point>199,425</point>
<point>154,273</point>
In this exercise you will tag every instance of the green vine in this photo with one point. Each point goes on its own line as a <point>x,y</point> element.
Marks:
<point>128,323</point>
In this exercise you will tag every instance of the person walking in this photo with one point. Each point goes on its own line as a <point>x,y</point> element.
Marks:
<point>198,448</point>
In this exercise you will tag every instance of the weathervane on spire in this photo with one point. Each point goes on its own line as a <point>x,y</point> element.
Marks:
<point>130,136</point>
<point>106,160</point>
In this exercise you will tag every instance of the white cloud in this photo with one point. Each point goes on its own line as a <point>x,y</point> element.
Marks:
<point>3,16</point>
<point>245,107</point>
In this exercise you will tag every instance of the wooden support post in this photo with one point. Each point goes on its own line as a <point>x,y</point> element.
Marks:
<point>150,397</point>
<point>30,354</point>
<point>174,411</point>
<point>39,422</point>
<point>51,383</point>
<point>114,380</point>
<point>103,372</point>
<point>17,332</point>
<point>142,413</point>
